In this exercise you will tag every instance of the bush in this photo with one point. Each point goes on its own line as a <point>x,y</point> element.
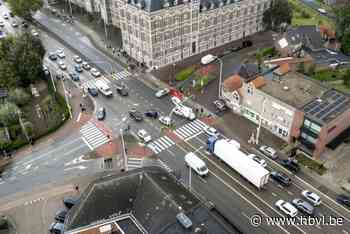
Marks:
<point>311,164</point>
<point>305,15</point>
<point>184,74</point>
<point>328,75</point>
<point>19,96</point>
<point>270,51</point>
<point>8,113</point>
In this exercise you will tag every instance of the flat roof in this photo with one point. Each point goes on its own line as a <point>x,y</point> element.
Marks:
<point>327,107</point>
<point>292,88</point>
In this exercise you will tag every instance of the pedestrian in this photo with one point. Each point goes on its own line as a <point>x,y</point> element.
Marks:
<point>113,51</point>
<point>77,188</point>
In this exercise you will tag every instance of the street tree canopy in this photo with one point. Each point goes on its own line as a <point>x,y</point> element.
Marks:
<point>279,12</point>
<point>21,60</point>
<point>342,20</point>
<point>24,8</point>
<point>345,43</point>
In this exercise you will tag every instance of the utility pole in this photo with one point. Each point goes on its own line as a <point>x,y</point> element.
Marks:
<point>260,122</point>
<point>124,151</point>
<point>53,83</point>
<point>220,78</point>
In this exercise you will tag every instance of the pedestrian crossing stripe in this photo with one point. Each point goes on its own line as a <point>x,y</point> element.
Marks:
<point>92,83</point>
<point>93,136</point>
<point>190,129</point>
<point>160,144</point>
<point>121,75</point>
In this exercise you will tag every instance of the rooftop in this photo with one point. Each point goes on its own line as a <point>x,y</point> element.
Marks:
<point>292,88</point>
<point>142,200</point>
<point>327,107</point>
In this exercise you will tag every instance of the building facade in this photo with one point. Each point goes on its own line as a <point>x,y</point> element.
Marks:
<point>162,32</point>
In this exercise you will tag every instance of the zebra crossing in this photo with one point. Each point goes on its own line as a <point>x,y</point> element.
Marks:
<point>121,75</point>
<point>93,136</point>
<point>190,129</point>
<point>92,83</point>
<point>134,163</point>
<point>161,144</point>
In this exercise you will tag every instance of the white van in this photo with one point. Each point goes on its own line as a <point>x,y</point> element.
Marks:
<point>196,164</point>
<point>209,58</point>
<point>104,88</point>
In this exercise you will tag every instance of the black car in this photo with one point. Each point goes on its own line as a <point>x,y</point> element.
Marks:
<point>52,56</point>
<point>152,114</point>
<point>60,215</point>
<point>291,165</point>
<point>93,91</point>
<point>136,115</point>
<point>78,68</point>
<point>101,113</point>
<point>11,14</point>
<point>122,89</point>
<point>69,202</point>
<point>74,76</point>
<point>235,48</point>
<point>344,199</point>
<point>247,43</point>
<point>281,178</point>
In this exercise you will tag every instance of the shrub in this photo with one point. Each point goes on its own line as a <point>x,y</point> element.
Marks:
<point>19,96</point>
<point>184,74</point>
<point>8,113</point>
<point>305,15</point>
<point>270,51</point>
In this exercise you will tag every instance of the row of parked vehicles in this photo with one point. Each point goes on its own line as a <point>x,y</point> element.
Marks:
<point>57,227</point>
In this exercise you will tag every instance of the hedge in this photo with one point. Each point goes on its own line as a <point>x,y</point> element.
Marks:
<point>185,73</point>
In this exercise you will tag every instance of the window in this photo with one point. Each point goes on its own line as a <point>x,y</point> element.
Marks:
<point>313,127</point>
<point>250,89</point>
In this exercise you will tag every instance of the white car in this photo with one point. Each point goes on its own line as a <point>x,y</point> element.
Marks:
<point>2,24</point>
<point>209,58</point>
<point>6,16</point>
<point>260,161</point>
<point>86,65</point>
<point>14,24</point>
<point>178,111</point>
<point>62,65</point>
<point>321,10</point>
<point>268,151</point>
<point>165,120</point>
<point>144,135</point>
<point>311,197</point>
<point>77,59</point>
<point>331,52</point>
<point>95,72</point>
<point>211,131</point>
<point>176,101</point>
<point>286,208</point>
<point>162,92</point>
<point>60,53</point>
<point>34,33</point>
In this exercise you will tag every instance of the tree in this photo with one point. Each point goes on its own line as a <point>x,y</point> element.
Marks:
<point>19,96</point>
<point>21,60</point>
<point>8,114</point>
<point>342,20</point>
<point>345,43</point>
<point>346,78</point>
<point>279,12</point>
<point>25,8</point>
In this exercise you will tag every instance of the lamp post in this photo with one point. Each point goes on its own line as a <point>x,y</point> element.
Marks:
<point>220,77</point>
<point>125,158</point>
<point>66,98</point>
<point>53,83</point>
<point>260,122</point>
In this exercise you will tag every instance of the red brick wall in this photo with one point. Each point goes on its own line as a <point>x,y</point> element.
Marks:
<point>331,131</point>
<point>296,125</point>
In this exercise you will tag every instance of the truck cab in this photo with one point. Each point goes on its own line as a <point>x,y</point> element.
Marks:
<point>197,164</point>
<point>104,88</point>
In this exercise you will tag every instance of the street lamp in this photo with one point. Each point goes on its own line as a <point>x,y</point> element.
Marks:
<point>121,131</point>
<point>66,98</point>
<point>220,77</point>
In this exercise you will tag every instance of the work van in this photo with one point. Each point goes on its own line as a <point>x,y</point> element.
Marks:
<point>104,88</point>
<point>197,164</point>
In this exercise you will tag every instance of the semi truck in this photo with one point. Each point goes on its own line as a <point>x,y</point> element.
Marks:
<point>228,151</point>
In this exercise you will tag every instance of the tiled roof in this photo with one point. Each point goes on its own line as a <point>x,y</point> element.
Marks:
<point>233,83</point>
<point>283,69</point>
<point>259,82</point>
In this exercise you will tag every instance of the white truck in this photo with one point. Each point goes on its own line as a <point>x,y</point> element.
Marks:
<point>228,151</point>
<point>103,87</point>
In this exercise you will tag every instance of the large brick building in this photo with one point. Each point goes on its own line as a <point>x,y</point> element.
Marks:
<point>162,32</point>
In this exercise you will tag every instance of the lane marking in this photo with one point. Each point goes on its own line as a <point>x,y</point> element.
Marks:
<point>87,143</point>
<point>78,119</point>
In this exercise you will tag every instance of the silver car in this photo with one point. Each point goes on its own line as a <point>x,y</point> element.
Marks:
<point>303,206</point>
<point>268,151</point>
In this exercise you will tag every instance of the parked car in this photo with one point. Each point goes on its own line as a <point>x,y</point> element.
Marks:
<point>77,59</point>
<point>311,197</point>
<point>135,114</point>
<point>60,53</point>
<point>34,32</point>
<point>14,24</point>
<point>62,65</point>
<point>56,228</point>
<point>86,66</point>
<point>247,43</point>
<point>78,68</point>
<point>162,92</point>
<point>209,58</point>
<point>286,208</point>
<point>281,178</point>
<point>322,11</point>
<point>60,215</point>
<point>303,206</point>
<point>60,76</point>
<point>94,72</point>
<point>211,131</point>
<point>11,14</point>
<point>46,70</point>
<point>93,91</point>
<point>268,151</point>
<point>74,76</point>
<point>291,165</point>
<point>220,105</point>
<point>2,24</point>
<point>144,135</point>
<point>257,159</point>
<point>70,201</point>
<point>165,120</point>
<point>152,114</point>
<point>52,56</point>
<point>6,16</point>
<point>343,199</point>
<point>101,113</point>
<point>122,89</point>
<point>235,48</point>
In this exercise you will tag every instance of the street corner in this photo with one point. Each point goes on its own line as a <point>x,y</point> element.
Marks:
<point>170,133</point>
<point>109,149</point>
<point>139,151</point>
<point>209,120</point>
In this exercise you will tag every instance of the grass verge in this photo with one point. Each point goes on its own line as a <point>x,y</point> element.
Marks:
<point>313,165</point>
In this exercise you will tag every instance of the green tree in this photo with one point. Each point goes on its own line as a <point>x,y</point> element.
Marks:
<point>259,58</point>
<point>279,12</point>
<point>19,96</point>
<point>21,60</point>
<point>8,113</point>
<point>342,20</point>
<point>345,43</point>
<point>25,8</point>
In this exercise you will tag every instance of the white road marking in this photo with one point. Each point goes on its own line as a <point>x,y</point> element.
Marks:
<point>28,166</point>
<point>274,194</point>
<point>87,143</point>
<point>78,119</point>
<point>170,152</point>
<point>290,193</point>
<point>77,167</point>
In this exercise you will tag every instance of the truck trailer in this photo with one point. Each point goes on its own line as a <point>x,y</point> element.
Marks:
<point>227,150</point>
